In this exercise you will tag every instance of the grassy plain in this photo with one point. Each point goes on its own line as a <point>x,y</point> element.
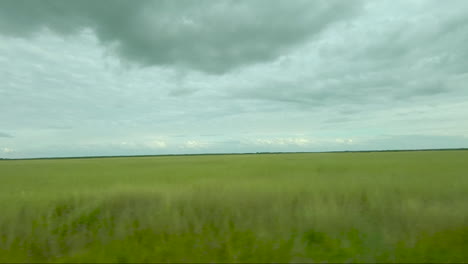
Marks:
<point>323,207</point>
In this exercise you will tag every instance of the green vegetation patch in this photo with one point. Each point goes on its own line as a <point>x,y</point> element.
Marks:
<point>340,207</point>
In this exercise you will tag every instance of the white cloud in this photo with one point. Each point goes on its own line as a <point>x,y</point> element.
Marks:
<point>344,140</point>
<point>284,141</point>
<point>8,150</point>
<point>194,144</point>
<point>157,144</point>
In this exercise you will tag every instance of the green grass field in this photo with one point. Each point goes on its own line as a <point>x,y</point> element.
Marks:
<point>324,207</point>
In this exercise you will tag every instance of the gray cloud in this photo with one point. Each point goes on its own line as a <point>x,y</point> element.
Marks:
<point>5,135</point>
<point>389,54</point>
<point>209,36</point>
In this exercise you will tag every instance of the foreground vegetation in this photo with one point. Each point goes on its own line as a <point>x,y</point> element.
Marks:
<point>328,207</point>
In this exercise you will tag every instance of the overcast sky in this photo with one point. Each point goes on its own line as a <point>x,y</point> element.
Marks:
<point>114,77</point>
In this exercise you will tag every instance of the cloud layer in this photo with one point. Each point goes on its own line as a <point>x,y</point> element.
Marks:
<point>231,76</point>
<point>209,36</point>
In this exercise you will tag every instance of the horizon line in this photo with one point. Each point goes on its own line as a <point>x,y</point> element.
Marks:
<point>236,153</point>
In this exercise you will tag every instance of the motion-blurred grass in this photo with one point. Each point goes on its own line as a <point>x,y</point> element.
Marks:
<point>328,207</point>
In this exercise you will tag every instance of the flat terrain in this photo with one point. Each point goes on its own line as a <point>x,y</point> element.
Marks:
<point>323,207</point>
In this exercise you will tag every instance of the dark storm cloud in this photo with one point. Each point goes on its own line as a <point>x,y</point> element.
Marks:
<point>209,36</point>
